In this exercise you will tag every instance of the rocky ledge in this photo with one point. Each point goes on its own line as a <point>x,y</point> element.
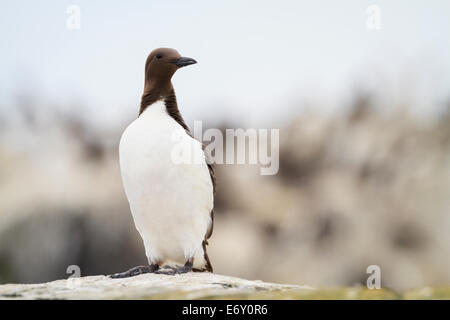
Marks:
<point>193,286</point>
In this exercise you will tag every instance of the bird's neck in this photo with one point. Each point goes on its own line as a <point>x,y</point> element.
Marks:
<point>154,92</point>
<point>167,95</point>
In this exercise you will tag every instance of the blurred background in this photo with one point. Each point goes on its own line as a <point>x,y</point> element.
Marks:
<point>363,113</point>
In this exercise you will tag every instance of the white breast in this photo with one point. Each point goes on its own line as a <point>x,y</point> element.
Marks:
<point>170,202</point>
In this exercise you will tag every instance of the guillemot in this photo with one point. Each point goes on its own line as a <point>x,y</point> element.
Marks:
<point>171,203</point>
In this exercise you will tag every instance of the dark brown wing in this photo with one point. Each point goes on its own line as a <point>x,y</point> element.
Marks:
<point>213,180</point>
<point>209,266</point>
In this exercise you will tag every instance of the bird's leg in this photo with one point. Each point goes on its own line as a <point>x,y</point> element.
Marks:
<point>187,266</point>
<point>136,271</point>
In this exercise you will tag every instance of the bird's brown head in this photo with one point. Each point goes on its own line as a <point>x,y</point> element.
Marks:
<point>161,65</point>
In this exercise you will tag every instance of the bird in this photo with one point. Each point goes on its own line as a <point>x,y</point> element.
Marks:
<point>172,202</point>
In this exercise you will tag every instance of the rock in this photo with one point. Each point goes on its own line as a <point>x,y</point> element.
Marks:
<point>198,286</point>
<point>146,286</point>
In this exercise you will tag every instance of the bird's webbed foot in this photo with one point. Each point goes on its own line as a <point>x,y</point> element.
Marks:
<point>136,271</point>
<point>171,270</point>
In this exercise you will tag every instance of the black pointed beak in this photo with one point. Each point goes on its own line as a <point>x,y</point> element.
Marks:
<point>184,61</point>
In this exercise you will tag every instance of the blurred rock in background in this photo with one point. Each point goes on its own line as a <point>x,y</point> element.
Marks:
<point>354,189</point>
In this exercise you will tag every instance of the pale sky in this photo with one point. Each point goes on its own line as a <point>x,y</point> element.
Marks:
<point>258,61</point>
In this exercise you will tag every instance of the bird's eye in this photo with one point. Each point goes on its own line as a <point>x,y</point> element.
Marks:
<point>158,56</point>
